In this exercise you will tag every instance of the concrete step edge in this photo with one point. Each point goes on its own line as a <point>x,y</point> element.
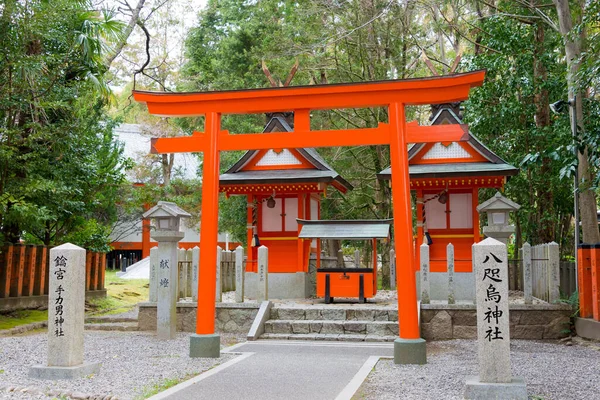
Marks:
<point>336,337</point>
<point>119,326</point>
<point>330,321</point>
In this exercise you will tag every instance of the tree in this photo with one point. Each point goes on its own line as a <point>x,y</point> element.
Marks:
<point>59,165</point>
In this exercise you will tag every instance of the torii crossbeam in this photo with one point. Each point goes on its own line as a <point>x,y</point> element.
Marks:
<point>394,95</point>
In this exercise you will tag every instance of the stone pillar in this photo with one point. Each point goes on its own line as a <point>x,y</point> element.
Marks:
<point>189,253</point>
<point>357,258</point>
<point>195,265</point>
<point>230,271</point>
<point>392,269</point>
<point>554,271</point>
<point>527,274</point>
<point>153,296</point>
<point>450,260</point>
<point>166,310</point>
<point>181,267</point>
<point>66,313</point>
<point>219,292</point>
<point>490,261</point>
<point>239,274</point>
<point>425,286</point>
<point>262,292</point>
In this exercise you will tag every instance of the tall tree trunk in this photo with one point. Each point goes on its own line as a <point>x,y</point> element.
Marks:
<point>587,197</point>
<point>135,16</point>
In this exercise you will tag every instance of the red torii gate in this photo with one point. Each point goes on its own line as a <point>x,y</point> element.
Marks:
<point>395,95</point>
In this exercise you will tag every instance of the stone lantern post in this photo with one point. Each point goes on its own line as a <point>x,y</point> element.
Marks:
<point>167,217</point>
<point>498,209</point>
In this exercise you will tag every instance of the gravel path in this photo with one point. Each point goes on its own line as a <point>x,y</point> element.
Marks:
<point>552,371</point>
<point>132,362</point>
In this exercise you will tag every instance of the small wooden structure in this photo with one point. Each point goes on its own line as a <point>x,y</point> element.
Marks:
<point>446,177</point>
<point>342,281</point>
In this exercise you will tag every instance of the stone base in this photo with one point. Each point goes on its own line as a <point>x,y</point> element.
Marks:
<point>410,351</point>
<point>78,371</point>
<point>205,346</point>
<point>514,390</point>
<point>587,328</point>
<point>282,285</point>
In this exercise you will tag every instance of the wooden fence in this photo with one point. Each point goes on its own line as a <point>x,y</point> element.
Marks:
<point>24,271</point>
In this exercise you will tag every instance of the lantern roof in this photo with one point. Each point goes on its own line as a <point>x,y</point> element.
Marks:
<point>166,209</point>
<point>498,203</point>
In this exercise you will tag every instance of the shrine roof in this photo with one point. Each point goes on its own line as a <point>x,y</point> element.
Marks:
<point>454,170</point>
<point>493,166</point>
<point>322,172</point>
<point>345,229</point>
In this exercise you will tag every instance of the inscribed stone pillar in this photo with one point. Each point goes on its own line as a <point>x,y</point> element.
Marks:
<point>425,286</point>
<point>219,283</point>
<point>153,274</point>
<point>195,264</point>
<point>66,309</point>
<point>230,271</point>
<point>357,258</point>
<point>495,381</point>
<point>554,272</point>
<point>527,274</point>
<point>450,258</point>
<point>239,274</point>
<point>188,272</point>
<point>491,274</point>
<point>392,269</point>
<point>263,274</point>
<point>166,309</point>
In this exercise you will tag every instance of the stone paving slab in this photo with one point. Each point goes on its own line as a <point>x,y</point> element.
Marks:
<point>284,370</point>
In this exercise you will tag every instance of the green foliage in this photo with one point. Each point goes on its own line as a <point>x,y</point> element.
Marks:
<point>59,165</point>
<point>22,317</point>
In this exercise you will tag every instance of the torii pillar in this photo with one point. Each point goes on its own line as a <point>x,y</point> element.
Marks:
<point>409,348</point>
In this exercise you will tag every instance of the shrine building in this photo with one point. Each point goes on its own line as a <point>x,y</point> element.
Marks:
<point>447,177</point>
<point>281,185</point>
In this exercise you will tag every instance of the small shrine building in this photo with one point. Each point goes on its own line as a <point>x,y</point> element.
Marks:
<point>447,177</point>
<point>281,186</point>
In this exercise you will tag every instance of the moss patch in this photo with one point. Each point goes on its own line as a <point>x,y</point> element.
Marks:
<point>22,317</point>
<point>121,295</point>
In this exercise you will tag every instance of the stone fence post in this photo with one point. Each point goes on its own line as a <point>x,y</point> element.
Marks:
<point>392,269</point>
<point>219,283</point>
<point>153,297</point>
<point>450,260</point>
<point>425,278</point>
<point>554,272</point>
<point>527,274</point>
<point>239,274</point>
<point>195,266</point>
<point>263,274</point>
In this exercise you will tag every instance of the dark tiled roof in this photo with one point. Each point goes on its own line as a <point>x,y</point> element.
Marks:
<point>345,230</point>
<point>454,170</point>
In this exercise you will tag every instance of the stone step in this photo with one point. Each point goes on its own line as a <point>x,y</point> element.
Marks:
<point>332,337</point>
<point>112,326</point>
<point>336,327</point>
<point>108,319</point>
<point>335,313</point>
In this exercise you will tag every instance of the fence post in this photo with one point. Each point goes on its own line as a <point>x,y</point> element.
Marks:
<point>195,266</point>
<point>153,297</point>
<point>189,255</point>
<point>88,269</point>
<point>263,274</point>
<point>219,292</point>
<point>21,271</point>
<point>527,274</point>
<point>554,264</point>
<point>357,258</point>
<point>182,281</point>
<point>6,275</point>
<point>425,287</point>
<point>392,269</point>
<point>45,271</point>
<point>450,258</point>
<point>239,274</point>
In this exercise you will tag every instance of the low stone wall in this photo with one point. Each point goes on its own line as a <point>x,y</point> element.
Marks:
<point>459,321</point>
<point>231,317</point>
<point>32,302</point>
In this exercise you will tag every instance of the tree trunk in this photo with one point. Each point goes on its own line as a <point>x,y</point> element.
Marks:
<point>135,16</point>
<point>587,197</point>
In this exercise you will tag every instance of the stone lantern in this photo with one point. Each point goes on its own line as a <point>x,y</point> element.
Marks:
<point>167,217</point>
<point>498,209</point>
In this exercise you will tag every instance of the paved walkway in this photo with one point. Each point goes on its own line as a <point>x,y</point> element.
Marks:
<point>286,370</point>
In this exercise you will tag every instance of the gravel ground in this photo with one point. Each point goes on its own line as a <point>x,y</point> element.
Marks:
<point>132,362</point>
<point>552,371</point>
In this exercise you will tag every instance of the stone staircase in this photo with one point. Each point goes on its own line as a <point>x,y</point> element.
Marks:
<point>352,322</point>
